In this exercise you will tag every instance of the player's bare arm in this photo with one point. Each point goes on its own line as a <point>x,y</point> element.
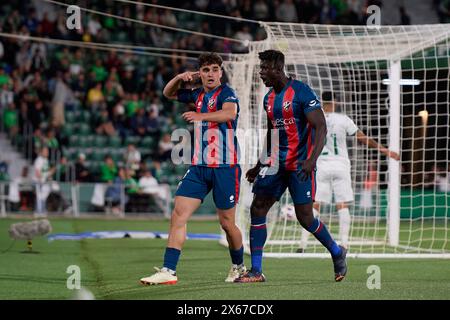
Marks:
<point>228,113</point>
<point>170,90</point>
<point>317,120</point>
<point>253,172</point>
<point>371,143</point>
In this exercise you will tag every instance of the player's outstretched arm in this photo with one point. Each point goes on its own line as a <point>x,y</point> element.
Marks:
<point>317,119</point>
<point>228,113</point>
<point>371,143</point>
<point>171,88</point>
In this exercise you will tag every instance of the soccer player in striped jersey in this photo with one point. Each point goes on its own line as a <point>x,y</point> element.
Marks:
<point>214,164</point>
<point>294,112</point>
<point>333,167</point>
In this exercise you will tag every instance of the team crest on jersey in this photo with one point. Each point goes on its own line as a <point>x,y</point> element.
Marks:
<point>286,105</point>
<point>211,103</point>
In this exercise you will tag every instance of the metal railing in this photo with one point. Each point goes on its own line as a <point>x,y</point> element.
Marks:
<point>81,199</point>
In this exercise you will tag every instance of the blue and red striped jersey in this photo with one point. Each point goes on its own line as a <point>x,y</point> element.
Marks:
<point>287,113</point>
<point>215,144</point>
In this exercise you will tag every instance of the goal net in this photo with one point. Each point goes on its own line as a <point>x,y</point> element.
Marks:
<point>393,82</point>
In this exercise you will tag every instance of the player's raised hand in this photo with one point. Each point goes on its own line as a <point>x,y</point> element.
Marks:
<point>189,76</point>
<point>192,116</point>
<point>393,155</point>
<point>308,167</point>
<point>252,174</point>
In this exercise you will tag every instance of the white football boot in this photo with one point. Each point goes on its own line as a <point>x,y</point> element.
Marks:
<point>235,272</point>
<point>162,276</point>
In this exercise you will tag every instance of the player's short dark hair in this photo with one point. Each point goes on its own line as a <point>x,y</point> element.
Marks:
<point>328,96</point>
<point>206,59</point>
<point>275,56</point>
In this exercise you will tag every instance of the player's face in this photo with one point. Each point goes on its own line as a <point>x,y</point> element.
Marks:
<point>210,75</point>
<point>328,106</point>
<point>268,73</point>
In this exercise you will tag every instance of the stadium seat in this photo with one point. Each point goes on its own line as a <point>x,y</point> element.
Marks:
<point>69,117</point>
<point>84,128</point>
<point>100,141</point>
<point>98,154</point>
<point>147,142</point>
<point>67,129</point>
<point>74,141</point>
<point>117,155</point>
<point>132,139</point>
<point>114,142</point>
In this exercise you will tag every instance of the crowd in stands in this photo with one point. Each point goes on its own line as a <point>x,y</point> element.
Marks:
<point>102,112</point>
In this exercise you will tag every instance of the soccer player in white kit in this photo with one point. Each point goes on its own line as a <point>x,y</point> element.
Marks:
<point>333,167</point>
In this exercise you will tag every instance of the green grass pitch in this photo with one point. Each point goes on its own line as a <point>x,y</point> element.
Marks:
<point>110,269</point>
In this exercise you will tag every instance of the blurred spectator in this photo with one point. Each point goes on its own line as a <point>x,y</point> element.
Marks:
<point>133,104</point>
<point>245,36</point>
<point>103,125</point>
<point>95,98</point>
<point>42,174</point>
<point>165,148</point>
<point>404,17</point>
<point>132,157</point>
<point>82,173</point>
<point>63,95</point>
<point>147,182</point>
<point>52,143</point>
<point>152,124</point>
<point>119,120</point>
<point>21,192</point>
<point>47,26</point>
<point>4,174</point>
<point>138,123</point>
<point>113,194</point>
<point>260,10</point>
<point>11,121</point>
<point>444,11</point>
<point>37,114</point>
<point>108,169</point>
<point>286,12</point>
<point>6,96</point>
<point>441,179</point>
<point>112,93</point>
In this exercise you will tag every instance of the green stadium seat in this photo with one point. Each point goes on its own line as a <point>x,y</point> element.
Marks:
<point>94,167</point>
<point>70,117</point>
<point>114,142</point>
<point>84,141</point>
<point>98,154</point>
<point>132,139</point>
<point>84,129</point>
<point>86,116</point>
<point>74,141</point>
<point>100,141</point>
<point>72,154</point>
<point>68,129</point>
<point>117,155</point>
<point>147,142</point>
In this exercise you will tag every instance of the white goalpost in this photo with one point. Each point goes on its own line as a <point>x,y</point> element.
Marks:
<point>393,82</point>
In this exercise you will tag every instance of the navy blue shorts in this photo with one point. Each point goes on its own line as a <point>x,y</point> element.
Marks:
<point>224,182</point>
<point>273,183</point>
